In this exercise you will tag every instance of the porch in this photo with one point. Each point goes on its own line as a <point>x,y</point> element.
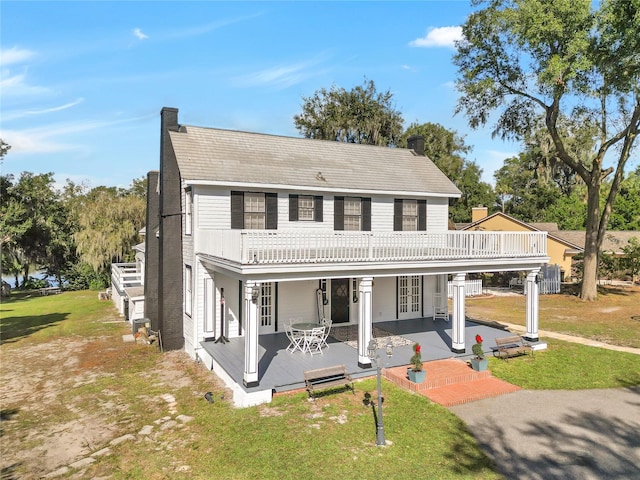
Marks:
<point>281,371</point>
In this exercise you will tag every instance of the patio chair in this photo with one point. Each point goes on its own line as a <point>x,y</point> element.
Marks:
<point>326,322</point>
<point>296,338</point>
<point>313,340</point>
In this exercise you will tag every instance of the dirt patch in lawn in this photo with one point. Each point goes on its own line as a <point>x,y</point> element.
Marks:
<point>64,400</point>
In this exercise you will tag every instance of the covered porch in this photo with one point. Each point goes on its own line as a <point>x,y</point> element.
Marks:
<point>281,371</point>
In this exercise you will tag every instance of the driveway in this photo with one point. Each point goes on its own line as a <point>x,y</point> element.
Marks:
<point>547,434</point>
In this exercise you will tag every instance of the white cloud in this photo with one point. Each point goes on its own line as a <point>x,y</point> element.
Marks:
<point>14,55</point>
<point>279,77</point>
<point>438,37</point>
<point>48,138</point>
<point>26,113</point>
<point>14,85</point>
<point>138,33</point>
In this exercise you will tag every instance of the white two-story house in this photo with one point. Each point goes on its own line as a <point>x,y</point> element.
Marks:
<point>246,231</point>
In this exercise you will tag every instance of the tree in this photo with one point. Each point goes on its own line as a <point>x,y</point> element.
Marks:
<point>4,148</point>
<point>446,149</point>
<point>109,221</point>
<point>626,212</point>
<point>632,256</point>
<point>559,59</point>
<point>361,115</point>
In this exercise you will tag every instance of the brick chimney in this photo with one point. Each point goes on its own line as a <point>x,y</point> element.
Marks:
<point>478,213</point>
<point>416,143</point>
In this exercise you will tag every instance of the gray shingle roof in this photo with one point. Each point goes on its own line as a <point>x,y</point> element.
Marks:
<point>214,155</point>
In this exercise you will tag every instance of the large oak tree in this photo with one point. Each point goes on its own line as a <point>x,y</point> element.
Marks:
<point>559,59</point>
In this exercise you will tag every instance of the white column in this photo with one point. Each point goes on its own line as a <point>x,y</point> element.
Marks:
<point>533,296</point>
<point>457,334</point>
<point>364,320</point>
<point>250,314</point>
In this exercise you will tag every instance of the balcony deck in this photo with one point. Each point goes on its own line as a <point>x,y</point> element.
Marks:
<point>250,247</point>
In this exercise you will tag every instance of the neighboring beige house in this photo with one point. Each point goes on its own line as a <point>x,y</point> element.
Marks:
<point>560,249</point>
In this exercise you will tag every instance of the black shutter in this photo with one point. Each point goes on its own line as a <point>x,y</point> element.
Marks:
<point>293,208</point>
<point>422,215</point>
<point>272,210</point>
<point>366,214</point>
<point>397,215</point>
<point>317,205</point>
<point>237,210</point>
<point>338,213</point>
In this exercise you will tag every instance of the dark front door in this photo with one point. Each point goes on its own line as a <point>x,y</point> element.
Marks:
<point>340,300</point>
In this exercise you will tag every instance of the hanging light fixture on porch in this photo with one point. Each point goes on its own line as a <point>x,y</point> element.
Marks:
<point>255,293</point>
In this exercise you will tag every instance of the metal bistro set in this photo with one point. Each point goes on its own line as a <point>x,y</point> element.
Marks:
<point>308,337</point>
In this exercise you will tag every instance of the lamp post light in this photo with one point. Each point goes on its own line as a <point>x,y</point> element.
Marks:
<point>375,357</point>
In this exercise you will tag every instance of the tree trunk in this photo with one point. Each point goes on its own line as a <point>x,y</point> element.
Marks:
<point>589,288</point>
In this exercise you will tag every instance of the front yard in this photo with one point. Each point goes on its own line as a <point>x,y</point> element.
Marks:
<point>77,400</point>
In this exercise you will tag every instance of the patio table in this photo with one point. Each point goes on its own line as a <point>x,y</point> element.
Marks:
<point>307,330</point>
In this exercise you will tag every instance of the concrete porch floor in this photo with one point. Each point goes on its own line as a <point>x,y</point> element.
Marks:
<point>281,371</point>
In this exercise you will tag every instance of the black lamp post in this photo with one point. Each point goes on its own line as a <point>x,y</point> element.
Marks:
<point>375,357</point>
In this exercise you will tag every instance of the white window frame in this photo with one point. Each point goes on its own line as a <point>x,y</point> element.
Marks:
<point>188,290</point>
<point>409,215</point>
<point>188,212</point>
<point>255,211</point>
<point>353,214</point>
<point>306,208</point>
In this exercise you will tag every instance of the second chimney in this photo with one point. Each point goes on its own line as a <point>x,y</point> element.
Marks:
<point>416,143</point>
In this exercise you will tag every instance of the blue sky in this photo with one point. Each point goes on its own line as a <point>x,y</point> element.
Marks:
<point>83,83</point>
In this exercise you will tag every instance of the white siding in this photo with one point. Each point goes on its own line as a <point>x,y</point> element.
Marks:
<point>381,214</point>
<point>384,299</point>
<point>213,208</point>
<point>297,300</point>
<point>437,215</point>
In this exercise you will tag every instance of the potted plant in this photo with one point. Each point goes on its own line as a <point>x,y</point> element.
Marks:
<point>478,363</point>
<point>416,373</point>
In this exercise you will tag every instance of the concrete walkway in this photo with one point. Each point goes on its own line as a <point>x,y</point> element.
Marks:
<point>547,434</point>
<point>558,434</point>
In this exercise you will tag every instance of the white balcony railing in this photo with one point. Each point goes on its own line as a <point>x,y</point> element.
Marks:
<point>281,247</point>
<point>126,275</point>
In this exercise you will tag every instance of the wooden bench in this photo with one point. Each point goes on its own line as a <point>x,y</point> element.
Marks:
<point>327,377</point>
<point>511,347</point>
<point>50,290</point>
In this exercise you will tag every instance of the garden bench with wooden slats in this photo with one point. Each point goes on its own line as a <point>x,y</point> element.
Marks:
<point>512,346</point>
<point>327,377</point>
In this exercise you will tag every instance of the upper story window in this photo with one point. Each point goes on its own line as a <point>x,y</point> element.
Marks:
<point>409,215</point>
<point>305,208</point>
<point>352,213</point>
<point>254,210</point>
<point>188,212</point>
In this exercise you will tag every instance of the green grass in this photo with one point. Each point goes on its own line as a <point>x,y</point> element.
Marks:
<point>569,366</point>
<point>290,438</point>
<point>613,318</point>
<point>28,316</point>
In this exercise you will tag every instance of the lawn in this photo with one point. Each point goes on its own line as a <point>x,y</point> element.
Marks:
<point>613,318</point>
<point>70,386</point>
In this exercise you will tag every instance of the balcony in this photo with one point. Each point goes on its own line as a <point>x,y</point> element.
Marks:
<point>126,275</point>
<point>245,247</point>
